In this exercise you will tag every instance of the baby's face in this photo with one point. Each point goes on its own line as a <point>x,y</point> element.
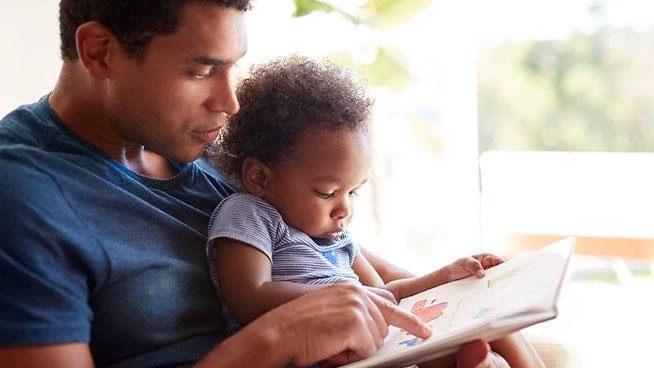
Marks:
<point>314,191</point>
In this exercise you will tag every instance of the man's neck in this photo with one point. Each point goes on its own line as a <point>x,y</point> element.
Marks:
<point>147,163</point>
<point>78,105</point>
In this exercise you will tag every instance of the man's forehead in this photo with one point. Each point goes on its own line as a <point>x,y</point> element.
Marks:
<point>208,36</point>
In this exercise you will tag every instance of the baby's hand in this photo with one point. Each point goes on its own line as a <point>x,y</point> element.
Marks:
<point>474,265</point>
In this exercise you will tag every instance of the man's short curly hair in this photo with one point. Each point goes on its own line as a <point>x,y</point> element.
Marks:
<point>280,100</point>
<point>134,22</point>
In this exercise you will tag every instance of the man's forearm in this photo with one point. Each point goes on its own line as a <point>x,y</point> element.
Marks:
<point>256,345</point>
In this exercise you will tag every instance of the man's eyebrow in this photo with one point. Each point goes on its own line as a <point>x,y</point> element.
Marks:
<point>205,60</point>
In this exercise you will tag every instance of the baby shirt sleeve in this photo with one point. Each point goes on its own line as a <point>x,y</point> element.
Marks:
<point>353,249</point>
<point>248,219</point>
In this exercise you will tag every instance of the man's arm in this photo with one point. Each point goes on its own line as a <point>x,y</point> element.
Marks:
<point>47,356</point>
<point>41,281</point>
<point>341,322</point>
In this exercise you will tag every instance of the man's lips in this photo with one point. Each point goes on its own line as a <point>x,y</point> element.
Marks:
<point>208,136</point>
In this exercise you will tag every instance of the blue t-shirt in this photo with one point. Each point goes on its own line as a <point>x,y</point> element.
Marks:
<point>93,252</point>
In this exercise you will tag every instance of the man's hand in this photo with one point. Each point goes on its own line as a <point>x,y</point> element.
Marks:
<point>474,265</point>
<point>337,324</point>
<point>383,293</point>
<point>340,323</point>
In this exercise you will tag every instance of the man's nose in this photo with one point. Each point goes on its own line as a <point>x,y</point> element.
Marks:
<point>223,97</point>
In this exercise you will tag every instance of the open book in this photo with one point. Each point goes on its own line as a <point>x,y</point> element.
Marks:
<point>513,295</point>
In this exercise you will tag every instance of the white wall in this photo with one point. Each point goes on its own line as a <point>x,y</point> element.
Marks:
<point>29,40</point>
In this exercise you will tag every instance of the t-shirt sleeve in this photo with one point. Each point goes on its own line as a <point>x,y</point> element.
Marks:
<point>45,285</point>
<point>248,219</point>
<point>353,249</point>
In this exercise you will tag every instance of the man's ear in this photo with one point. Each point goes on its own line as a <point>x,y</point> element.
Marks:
<point>255,176</point>
<point>96,44</point>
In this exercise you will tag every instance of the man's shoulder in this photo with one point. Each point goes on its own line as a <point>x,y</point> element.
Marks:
<point>36,145</point>
<point>19,159</point>
<point>29,125</point>
<point>27,164</point>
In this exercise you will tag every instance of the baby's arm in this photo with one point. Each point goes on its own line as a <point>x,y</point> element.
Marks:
<point>369,278</point>
<point>402,288</point>
<point>461,268</point>
<point>385,269</point>
<point>517,351</point>
<point>244,275</point>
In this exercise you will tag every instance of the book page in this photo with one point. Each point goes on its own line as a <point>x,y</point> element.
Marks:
<point>523,290</point>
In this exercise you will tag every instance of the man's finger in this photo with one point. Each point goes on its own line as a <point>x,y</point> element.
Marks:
<point>398,317</point>
<point>376,326</point>
<point>377,313</point>
<point>383,293</point>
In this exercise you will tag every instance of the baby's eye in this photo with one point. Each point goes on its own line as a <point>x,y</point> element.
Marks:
<point>324,195</point>
<point>354,193</point>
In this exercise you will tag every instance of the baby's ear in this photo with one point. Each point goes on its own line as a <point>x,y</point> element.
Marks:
<point>255,176</point>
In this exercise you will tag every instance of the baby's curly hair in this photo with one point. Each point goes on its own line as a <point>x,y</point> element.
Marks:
<point>280,100</point>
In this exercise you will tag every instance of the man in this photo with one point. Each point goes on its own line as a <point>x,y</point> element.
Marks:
<point>105,209</point>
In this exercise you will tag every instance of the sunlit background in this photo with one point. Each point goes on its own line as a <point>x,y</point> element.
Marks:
<point>556,97</point>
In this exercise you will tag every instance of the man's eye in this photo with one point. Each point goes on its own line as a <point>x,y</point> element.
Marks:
<point>203,74</point>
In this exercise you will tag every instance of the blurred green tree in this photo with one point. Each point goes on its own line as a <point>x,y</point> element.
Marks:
<point>586,92</point>
<point>388,68</point>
